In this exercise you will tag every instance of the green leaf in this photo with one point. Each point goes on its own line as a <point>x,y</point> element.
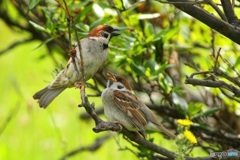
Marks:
<point>237,62</point>
<point>152,65</point>
<point>148,29</point>
<point>45,42</point>
<point>83,14</point>
<point>166,34</point>
<point>33,3</point>
<point>206,113</point>
<point>194,108</point>
<point>96,23</point>
<point>138,69</point>
<point>37,26</point>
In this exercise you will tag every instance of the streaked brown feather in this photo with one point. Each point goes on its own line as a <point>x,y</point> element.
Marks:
<point>127,102</point>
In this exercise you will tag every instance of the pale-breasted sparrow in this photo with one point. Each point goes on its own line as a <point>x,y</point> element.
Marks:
<point>121,105</point>
<point>95,53</point>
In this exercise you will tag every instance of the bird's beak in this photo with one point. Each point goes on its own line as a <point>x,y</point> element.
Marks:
<point>111,77</point>
<point>115,32</point>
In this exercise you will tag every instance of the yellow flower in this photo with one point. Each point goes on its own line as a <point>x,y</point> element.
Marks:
<point>147,72</point>
<point>185,122</point>
<point>190,136</point>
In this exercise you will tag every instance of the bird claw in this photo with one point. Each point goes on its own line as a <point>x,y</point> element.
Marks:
<point>80,85</point>
<point>72,52</point>
<point>118,124</point>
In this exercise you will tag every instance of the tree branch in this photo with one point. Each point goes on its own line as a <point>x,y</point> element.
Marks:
<point>229,12</point>
<point>220,13</point>
<point>213,84</point>
<point>226,29</point>
<point>15,44</point>
<point>92,147</point>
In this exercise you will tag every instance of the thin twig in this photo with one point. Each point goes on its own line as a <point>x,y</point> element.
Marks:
<point>230,31</point>
<point>220,73</point>
<point>15,44</point>
<point>229,12</point>
<point>216,60</point>
<point>72,53</point>
<point>183,2</point>
<point>9,118</point>
<point>83,80</point>
<point>213,84</point>
<point>98,142</point>
<point>215,7</point>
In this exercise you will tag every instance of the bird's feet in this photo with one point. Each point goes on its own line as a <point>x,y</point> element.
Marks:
<point>118,124</point>
<point>79,85</point>
<point>72,52</point>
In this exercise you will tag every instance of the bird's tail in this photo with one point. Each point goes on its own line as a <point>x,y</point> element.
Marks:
<point>46,96</point>
<point>166,131</point>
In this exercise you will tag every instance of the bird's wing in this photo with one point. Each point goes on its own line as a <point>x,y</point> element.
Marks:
<point>129,104</point>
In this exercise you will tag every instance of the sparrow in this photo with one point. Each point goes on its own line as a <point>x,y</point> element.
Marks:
<point>122,106</point>
<point>94,50</point>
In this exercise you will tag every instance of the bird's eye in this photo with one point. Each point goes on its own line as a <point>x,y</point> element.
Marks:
<point>120,87</point>
<point>105,34</point>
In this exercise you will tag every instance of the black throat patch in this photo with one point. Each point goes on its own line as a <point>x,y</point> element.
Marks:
<point>105,46</point>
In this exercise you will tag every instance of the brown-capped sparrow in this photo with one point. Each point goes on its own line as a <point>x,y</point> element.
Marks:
<point>121,105</point>
<point>95,53</point>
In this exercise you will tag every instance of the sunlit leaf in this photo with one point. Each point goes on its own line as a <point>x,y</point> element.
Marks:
<point>138,69</point>
<point>149,16</point>
<point>33,3</point>
<point>237,62</point>
<point>194,108</point>
<point>162,68</point>
<point>98,10</point>
<point>83,14</point>
<point>180,101</point>
<point>207,113</point>
<point>37,26</point>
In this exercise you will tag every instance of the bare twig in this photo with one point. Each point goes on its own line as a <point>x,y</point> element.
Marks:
<point>229,12</point>
<point>215,7</point>
<point>15,44</point>
<point>229,96</point>
<point>216,60</point>
<point>220,73</point>
<point>92,147</point>
<point>182,2</point>
<point>229,30</point>
<point>9,118</point>
<point>86,116</point>
<point>213,84</point>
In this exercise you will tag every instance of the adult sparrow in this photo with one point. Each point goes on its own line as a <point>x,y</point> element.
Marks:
<point>94,49</point>
<point>121,105</point>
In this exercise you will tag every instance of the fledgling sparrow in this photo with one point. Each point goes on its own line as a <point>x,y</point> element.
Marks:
<point>121,105</point>
<point>95,53</point>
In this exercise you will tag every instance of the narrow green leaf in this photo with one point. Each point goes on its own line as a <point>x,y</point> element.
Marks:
<point>194,108</point>
<point>206,113</point>
<point>45,42</point>
<point>37,26</point>
<point>138,69</point>
<point>33,3</point>
<point>83,14</point>
<point>237,62</point>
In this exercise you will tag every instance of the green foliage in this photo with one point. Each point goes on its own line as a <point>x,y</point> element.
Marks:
<point>33,3</point>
